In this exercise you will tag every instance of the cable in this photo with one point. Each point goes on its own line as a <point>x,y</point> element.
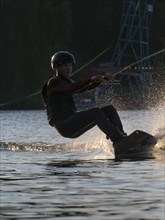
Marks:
<point>95,58</point>
<point>20,99</point>
<point>115,73</point>
<point>38,92</point>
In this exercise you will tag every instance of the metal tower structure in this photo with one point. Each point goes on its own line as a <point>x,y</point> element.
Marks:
<point>133,43</point>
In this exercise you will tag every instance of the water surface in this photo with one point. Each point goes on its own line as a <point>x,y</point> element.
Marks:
<point>45,176</point>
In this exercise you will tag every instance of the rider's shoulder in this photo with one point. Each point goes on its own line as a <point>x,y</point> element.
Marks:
<point>53,81</point>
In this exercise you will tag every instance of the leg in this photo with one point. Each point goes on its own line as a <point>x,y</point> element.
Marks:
<point>80,122</point>
<point>111,113</point>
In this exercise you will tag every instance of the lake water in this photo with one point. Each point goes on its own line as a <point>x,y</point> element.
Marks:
<point>45,176</point>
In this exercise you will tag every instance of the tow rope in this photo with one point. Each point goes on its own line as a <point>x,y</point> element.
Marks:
<point>85,65</point>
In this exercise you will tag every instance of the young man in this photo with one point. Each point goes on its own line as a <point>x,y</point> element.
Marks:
<point>58,95</point>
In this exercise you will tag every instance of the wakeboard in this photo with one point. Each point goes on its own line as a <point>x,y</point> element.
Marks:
<point>137,145</point>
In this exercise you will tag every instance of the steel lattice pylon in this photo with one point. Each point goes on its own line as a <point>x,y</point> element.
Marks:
<point>133,43</point>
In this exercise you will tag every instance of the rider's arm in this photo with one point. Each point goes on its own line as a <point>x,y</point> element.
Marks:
<point>88,87</point>
<point>59,86</point>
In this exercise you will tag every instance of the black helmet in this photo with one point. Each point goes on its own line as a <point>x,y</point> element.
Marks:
<point>62,57</point>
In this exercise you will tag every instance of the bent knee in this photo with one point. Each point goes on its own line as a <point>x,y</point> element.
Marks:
<point>95,111</point>
<point>111,108</point>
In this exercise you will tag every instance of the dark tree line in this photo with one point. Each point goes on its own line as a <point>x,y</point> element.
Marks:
<point>32,30</point>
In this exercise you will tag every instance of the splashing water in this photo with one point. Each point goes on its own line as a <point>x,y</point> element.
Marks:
<point>25,131</point>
